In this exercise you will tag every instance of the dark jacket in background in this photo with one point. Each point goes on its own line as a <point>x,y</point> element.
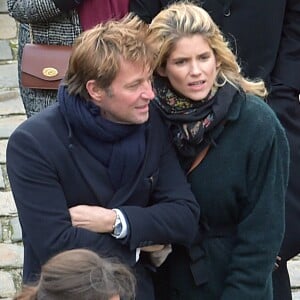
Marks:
<point>263,34</point>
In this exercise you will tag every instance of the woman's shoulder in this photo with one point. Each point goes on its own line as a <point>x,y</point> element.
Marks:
<point>257,118</point>
<point>256,108</point>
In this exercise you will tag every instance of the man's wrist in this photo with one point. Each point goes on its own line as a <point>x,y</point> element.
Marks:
<point>112,221</point>
<point>120,228</point>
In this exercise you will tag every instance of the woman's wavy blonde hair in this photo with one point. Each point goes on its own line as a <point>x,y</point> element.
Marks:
<point>185,19</point>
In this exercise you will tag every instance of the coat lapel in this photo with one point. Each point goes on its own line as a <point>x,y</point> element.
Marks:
<point>124,193</point>
<point>93,172</point>
<point>96,176</point>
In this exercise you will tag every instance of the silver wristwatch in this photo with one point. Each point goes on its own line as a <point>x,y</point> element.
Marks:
<point>117,228</point>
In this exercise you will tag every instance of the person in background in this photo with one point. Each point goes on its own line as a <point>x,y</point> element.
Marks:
<point>99,171</point>
<point>263,46</point>
<point>59,23</point>
<point>268,47</point>
<point>81,274</point>
<point>235,154</point>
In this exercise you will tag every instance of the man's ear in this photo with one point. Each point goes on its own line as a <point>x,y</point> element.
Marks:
<point>161,71</point>
<point>95,92</point>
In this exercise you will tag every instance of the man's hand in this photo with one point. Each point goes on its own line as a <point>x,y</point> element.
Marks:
<point>158,257</point>
<point>152,248</point>
<point>94,218</point>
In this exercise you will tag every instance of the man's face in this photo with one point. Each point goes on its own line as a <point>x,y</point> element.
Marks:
<point>129,95</point>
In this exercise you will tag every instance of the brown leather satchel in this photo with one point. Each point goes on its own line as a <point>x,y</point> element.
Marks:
<point>44,66</point>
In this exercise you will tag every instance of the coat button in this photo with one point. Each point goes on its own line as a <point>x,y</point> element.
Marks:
<point>227,12</point>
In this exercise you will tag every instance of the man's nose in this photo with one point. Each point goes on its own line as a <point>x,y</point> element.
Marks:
<point>148,92</point>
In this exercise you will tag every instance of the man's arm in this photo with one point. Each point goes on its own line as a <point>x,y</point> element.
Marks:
<point>94,218</point>
<point>172,216</point>
<point>42,205</point>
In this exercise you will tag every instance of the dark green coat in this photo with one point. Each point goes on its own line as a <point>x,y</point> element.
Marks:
<point>240,186</point>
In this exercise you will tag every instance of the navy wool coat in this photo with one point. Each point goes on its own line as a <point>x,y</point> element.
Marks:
<point>50,171</point>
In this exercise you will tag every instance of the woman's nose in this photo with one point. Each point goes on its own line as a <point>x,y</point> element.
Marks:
<point>195,68</point>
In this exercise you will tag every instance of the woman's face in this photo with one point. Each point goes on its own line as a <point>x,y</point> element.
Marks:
<point>191,67</point>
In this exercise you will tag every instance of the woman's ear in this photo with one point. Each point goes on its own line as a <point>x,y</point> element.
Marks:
<point>161,71</point>
<point>95,92</point>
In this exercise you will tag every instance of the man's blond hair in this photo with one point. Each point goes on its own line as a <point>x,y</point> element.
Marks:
<point>97,53</point>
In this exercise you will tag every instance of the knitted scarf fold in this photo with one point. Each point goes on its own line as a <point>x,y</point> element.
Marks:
<point>119,147</point>
<point>193,124</point>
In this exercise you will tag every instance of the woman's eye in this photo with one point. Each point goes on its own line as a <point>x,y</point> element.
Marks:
<point>204,57</point>
<point>180,62</point>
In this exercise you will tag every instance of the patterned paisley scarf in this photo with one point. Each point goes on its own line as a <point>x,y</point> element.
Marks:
<point>193,124</point>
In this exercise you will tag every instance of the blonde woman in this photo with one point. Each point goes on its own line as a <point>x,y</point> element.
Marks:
<point>234,152</point>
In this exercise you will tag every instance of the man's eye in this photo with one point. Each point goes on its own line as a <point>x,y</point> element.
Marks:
<point>134,85</point>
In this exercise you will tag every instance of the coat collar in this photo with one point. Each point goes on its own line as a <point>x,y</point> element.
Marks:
<point>236,106</point>
<point>95,174</point>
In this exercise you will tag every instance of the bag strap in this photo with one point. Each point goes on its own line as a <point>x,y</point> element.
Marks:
<point>198,159</point>
<point>201,154</point>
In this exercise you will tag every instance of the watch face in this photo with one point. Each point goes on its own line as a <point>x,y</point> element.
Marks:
<point>118,228</point>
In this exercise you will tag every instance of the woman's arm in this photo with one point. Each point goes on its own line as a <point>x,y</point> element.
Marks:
<point>261,227</point>
<point>38,11</point>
